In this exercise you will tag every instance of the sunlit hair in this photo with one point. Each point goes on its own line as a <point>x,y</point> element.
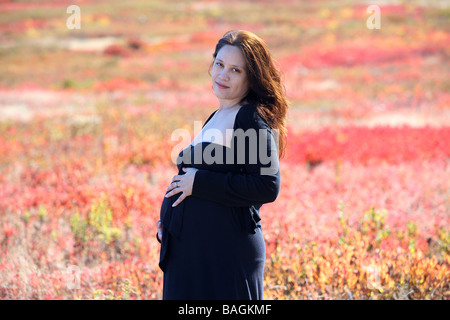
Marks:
<point>266,90</point>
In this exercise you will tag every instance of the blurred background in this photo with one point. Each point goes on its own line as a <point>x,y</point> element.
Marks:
<point>331,60</point>
<point>89,97</point>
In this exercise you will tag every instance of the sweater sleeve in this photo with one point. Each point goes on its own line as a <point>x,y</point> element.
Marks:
<point>259,179</point>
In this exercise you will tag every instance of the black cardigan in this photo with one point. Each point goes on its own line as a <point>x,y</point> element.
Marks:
<point>245,190</point>
<point>252,186</point>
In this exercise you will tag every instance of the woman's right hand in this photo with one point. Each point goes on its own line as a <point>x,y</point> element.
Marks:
<point>159,228</point>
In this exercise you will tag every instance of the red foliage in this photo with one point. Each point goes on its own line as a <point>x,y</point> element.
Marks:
<point>363,209</point>
<point>370,145</point>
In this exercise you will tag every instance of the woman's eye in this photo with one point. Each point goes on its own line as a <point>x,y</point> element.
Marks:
<point>220,64</point>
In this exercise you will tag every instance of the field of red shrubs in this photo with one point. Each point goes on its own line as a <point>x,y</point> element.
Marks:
<point>86,118</point>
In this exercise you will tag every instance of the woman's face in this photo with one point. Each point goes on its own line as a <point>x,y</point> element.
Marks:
<point>229,75</point>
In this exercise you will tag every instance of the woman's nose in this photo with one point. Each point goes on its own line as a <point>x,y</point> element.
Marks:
<point>223,75</point>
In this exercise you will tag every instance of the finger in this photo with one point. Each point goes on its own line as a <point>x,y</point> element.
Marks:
<point>173,192</point>
<point>160,233</point>
<point>181,198</point>
<point>176,178</point>
<point>173,185</point>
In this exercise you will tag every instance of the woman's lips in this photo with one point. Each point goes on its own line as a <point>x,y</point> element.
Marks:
<point>221,86</point>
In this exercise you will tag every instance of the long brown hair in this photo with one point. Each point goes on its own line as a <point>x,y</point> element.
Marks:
<point>266,90</point>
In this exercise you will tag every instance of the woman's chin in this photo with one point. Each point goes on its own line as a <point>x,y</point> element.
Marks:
<point>220,95</point>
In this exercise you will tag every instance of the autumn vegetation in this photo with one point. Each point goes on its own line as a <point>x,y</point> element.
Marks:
<point>86,118</point>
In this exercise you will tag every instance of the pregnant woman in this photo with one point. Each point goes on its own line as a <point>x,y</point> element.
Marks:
<point>212,246</point>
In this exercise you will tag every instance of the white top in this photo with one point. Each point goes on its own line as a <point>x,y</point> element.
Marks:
<point>219,128</point>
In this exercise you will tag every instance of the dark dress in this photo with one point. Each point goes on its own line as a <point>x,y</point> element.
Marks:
<point>212,244</point>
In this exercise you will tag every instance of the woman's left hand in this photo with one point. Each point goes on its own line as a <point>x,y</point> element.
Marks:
<point>182,183</point>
